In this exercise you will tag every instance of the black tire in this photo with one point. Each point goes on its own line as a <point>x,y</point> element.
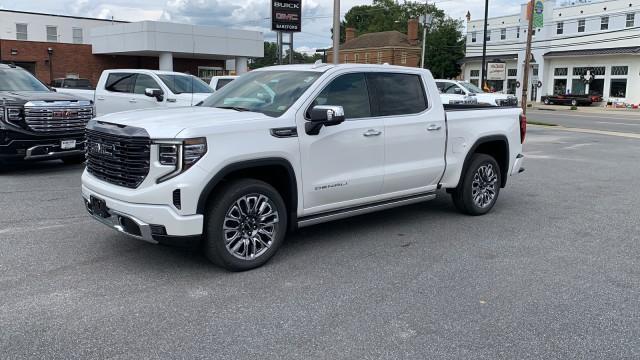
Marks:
<point>463,195</point>
<point>228,197</point>
<point>75,159</point>
<point>574,102</point>
<point>547,102</point>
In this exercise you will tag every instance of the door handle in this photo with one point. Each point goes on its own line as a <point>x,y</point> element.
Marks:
<point>100,98</point>
<point>372,132</point>
<point>434,127</point>
<point>133,101</point>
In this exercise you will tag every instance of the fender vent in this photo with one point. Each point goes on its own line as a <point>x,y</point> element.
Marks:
<point>177,199</point>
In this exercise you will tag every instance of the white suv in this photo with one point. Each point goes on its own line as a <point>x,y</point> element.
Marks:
<point>291,146</point>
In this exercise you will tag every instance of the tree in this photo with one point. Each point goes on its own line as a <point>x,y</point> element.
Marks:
<point>271,57</point>
<point>445,41</point>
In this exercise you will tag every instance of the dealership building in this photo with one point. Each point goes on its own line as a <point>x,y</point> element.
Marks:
<point>58,46</point>
<point>578,47</point>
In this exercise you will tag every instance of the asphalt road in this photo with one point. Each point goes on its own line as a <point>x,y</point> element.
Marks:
<point>552,273</point>
<point>612,121</point>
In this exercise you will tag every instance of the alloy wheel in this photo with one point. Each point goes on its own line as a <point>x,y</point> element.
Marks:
<point>250,226</point>
<point>483,187</point>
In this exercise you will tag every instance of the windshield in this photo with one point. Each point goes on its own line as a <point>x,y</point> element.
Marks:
<point>19,80</point>
<point>267,92</point>
<point>470,87</point>
<point>179,84</point>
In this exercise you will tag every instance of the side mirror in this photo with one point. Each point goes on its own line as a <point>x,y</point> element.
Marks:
<point>154,93</point>
<point>324,115</point>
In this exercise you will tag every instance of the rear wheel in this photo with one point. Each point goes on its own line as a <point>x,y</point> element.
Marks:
<point>479,188</point>
<point>246,224</point>
<point>547,102</point>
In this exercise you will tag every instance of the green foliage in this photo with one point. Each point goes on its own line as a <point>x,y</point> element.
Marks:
<point>445,41</point>
<point>271,58</point>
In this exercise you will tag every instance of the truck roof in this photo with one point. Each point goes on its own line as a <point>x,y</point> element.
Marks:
<point>322,67</point>
<point>157,72</point>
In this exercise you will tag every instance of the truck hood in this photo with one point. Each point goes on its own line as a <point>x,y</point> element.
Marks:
<point>21,97</point>
<point>186,99</point>
<point>168,123</point>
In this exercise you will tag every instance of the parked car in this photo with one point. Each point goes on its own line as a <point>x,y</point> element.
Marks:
<point>122,90</point>
<point>218,82</point>
<point>37,123</point>
<point>568,99</point>
<point>72,83</point>
<point>246,167</point>
<point>457,92</point>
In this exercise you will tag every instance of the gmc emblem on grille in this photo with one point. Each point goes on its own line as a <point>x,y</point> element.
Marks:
<point>65,114</point>
<point>101,149</point>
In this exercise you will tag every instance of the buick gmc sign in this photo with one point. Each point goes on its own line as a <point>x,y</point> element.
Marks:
<point>286,15</point>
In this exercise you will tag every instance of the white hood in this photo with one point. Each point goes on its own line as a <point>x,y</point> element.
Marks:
<point>187,99</point>
<point>168,123</point>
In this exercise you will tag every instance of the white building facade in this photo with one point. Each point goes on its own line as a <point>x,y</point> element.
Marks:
<point>578,40</point>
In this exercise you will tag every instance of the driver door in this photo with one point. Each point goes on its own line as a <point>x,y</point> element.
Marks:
<point>343,165</point>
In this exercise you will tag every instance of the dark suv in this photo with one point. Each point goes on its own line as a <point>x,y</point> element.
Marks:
<point>37,123</point>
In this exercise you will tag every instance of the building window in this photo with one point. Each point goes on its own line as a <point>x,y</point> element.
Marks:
<point>512,72</point>
<point>598,70</point>
<point>21,32</point>
<point>488,37</point>
<point>52,33</point>
<point>503,34</point>
<point>366,58</point>
<point>619,70</point>
<point>474,82</point>
<point>535,71</point>
<point>560,28</point>
<point>581,25</point>
<point>518,32</point>
<point>357,58</point>
<point>631,20</point>
<point>474,73</point>
<point>604,23</point>
<point>403,58</point>
<point>618,88</point>
<point>77,36</point>
<point>559,86</point>
<point>473,37</point>
<point>379,57</point>
<point>346,58</point>
<point>560,72</point>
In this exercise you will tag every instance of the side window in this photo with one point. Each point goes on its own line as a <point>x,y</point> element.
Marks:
<point>222,82</point>
<point>440,86</point>
<point>119,82</point>
<point>453,89</point>
<point>145,82</point>
<point>397,94</point>
<point>349,91</point>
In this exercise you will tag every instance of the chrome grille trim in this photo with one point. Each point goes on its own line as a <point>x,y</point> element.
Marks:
<point>57,116</point>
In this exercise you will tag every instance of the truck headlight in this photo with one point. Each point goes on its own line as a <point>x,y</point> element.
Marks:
<point>181,154</point>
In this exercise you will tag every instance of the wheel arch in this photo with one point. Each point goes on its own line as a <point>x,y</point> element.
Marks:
<point>278,172</point>
<point>496,146</point>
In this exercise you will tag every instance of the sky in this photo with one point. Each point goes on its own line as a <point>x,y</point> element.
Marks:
<point>243,14</point>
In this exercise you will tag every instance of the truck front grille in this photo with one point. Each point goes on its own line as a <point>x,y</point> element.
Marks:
<point>117,159</point>
<point>51,119</point>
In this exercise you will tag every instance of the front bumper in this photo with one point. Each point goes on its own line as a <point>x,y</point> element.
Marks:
<point>152,223</point>
<point>22,147</point>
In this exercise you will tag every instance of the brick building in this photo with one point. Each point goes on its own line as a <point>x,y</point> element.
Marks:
<point>392,47</point>
<point>58,46</point>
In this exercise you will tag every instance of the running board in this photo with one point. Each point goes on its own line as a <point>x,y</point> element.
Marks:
<point>363,209</point>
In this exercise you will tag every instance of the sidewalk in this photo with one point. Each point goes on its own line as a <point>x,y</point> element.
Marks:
<point>585,109</point>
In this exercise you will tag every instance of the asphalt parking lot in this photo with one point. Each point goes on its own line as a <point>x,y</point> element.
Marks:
<point>552,273</point>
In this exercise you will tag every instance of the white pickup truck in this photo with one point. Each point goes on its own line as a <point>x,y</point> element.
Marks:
<point>133,89</point>
<point>462,92</point>
<point>293,146</point>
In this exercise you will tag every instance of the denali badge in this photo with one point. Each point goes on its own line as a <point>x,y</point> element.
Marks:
<point>65,114</point>
<point>101,149</point>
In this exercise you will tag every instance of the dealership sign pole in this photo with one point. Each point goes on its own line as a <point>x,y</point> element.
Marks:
<point>286,17</point>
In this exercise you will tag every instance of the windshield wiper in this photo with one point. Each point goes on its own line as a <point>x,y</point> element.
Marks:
<point>236,108</point>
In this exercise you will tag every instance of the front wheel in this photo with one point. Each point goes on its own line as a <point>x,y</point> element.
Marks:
<point>479,187</point>
<point>547,102</point>
<point>574,102</point>
<point>246,224</point>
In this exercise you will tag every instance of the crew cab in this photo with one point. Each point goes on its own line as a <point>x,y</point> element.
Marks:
<point>462,92</point>
<point>126,89</point>
<point>37,123</point>
<point>293,146</point>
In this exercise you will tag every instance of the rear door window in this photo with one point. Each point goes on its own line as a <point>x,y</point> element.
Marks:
<point>120,82</point>
<point>349,91</point>
<point>397,94</point>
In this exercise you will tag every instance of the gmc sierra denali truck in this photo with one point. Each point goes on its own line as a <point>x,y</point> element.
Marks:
<point>293,146</point>
<point>37,123</point>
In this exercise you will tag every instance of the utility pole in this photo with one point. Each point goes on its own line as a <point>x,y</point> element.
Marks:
<point>336,31</point>
<point>527,59</point>
<point>483,77</point>
<point>424,32</point>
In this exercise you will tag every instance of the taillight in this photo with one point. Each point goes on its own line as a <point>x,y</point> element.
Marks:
<point>523,127</point>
